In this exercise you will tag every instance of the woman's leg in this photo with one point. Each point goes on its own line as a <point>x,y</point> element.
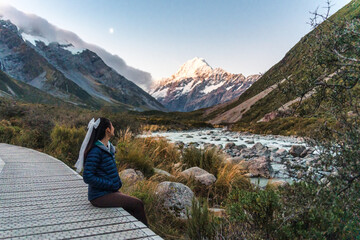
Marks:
<point>117,199</point>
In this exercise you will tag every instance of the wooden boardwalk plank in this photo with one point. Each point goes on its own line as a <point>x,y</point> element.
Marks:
<point>42,198</point>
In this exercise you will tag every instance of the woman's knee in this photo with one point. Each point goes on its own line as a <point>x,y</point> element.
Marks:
<point>94,204</point>
<point>139,204</point>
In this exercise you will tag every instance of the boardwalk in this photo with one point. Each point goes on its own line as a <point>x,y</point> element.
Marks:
<point>42,198</point>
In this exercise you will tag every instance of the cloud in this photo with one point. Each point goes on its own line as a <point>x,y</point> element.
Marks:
<point>35,25</point>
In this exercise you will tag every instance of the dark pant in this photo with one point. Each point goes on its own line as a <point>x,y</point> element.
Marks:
<point>117,199</point>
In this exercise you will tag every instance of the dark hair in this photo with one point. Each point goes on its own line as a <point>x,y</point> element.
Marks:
<point>97,134</point>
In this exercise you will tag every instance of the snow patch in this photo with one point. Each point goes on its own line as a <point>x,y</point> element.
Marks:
<point>72,49</point>
<point>33,39</point>
<point>189,87</point>
<point>160,94</point>
<point>211,88</point>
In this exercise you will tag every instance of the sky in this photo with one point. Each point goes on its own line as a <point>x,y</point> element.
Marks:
<point>158,36</point>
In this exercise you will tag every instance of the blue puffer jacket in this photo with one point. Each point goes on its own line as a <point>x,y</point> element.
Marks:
<point>100,171</point>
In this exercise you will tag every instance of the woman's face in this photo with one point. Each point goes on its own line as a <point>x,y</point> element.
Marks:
<point>112,130</point>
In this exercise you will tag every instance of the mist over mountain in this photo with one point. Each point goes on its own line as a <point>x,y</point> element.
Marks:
<point>34,25</point>
<point>67,71</point>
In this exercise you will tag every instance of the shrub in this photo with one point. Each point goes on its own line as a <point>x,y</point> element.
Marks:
<point>132,154</point>
<point>199,225</point>
<point>65,143</point>
<point>229,177</point>
<point>209,159</point>
<point>254,212</point>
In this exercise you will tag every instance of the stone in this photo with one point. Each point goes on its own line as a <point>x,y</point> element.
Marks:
<point>258,147</point>
<point>258,167</point>
<point>131,176</point>
<point>306,152</point>
<point>240,147</point>
<point>234,160</point>
<point>200,175</point>
<point>273,149</point>
<point>296,150</point>
<point>176,198</point>
<point>281,153</point>
<point>229,145</point>
<point>162,172</point>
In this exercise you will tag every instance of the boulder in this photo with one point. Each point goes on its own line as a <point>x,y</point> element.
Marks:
<point>281,153</point>
<point>258,147</point>
<point>260,167</point>
<point>306,152</point>
<point>257,167</point>
<point>200,175</point>
<point>296,150</point>
<point>131,176</point>
<point>175,197</point>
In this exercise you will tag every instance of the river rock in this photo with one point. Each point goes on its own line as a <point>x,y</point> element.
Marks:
<point>306,152</point>
<point>281,153</point>
<point>248,153</point>
<point>296,150</point>
<point>131,176</point>
<point>229,145</point>
<point>240,147</point>
<point>258,147</point>
<point>258,167</point>
<point>200,175</point>
<point>175,197</point>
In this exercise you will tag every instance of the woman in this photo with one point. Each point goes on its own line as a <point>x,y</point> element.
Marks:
<point>100,171</point>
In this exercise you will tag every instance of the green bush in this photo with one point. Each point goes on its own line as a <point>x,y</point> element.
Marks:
<point>254,212</point>
<point>209,159</point>
<point>199,226</point>
<point>8,132</point>
<point>65,143</point>
<point>131,154</point>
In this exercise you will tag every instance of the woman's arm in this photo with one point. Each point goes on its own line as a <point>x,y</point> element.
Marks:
<point>91,164</point>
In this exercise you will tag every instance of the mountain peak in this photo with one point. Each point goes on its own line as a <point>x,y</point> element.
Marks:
<point>193,68</point>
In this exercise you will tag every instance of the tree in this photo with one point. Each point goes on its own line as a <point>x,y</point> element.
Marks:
<point>325,200</point>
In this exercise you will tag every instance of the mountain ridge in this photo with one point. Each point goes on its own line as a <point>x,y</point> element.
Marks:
<point>197,85</point>
<point>81,78</point>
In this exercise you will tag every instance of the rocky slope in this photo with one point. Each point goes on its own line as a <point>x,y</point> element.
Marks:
<point>74,75</point>
<point>197,85</point>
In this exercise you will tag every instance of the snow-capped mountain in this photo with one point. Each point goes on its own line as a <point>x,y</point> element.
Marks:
<point>197,85</point>
<point>74,74</point>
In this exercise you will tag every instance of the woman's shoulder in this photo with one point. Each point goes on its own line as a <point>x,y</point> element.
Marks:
<point>94,150</point>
